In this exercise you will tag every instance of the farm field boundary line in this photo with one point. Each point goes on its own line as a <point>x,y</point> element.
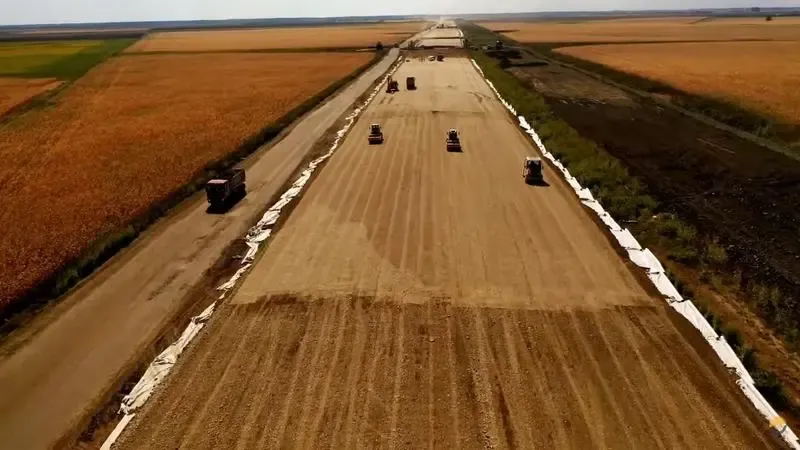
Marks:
<point>71,66</point>
<point>107,246</point>
<point>261,50</point>
<point>341,35</point>
<point>645,259</point>
<point>557,44</point>
<point>255,238</point>
<point>46,91</point>
<point>700,108</point>
<point>84,61</point>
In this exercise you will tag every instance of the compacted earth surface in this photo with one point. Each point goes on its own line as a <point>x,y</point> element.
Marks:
<point>420,298</point>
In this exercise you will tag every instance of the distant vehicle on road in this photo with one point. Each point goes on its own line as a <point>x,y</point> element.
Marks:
<point>440,57</point>
<point>411,83</point>
<point>223,191</point>
<point>453,141</point>
<point>391,86</point>
<point>431,58</point>
<point>375,134</point>
<point>532,170</point>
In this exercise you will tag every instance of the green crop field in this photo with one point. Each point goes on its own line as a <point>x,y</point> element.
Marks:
<point>66,60</point>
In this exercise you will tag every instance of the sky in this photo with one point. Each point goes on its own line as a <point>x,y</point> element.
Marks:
<point>18,12</point>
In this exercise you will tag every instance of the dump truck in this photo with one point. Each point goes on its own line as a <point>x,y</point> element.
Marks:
<point>391,86</point>
<point>375,134</point>
<point>532,170</point>
<point>221,191</point>
<point>411,83</point>
<point>453,141</point>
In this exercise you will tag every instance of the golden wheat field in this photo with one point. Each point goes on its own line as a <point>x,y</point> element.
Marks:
<point>758,75</point>
<point>272,38</point>
<point>651,29</point>
<point>16,91</point>
<point>128,134</point>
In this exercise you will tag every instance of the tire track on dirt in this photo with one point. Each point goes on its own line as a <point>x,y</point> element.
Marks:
<point>178,403</point>
<point>323,396</point>
<point>223,389</point>
<point>276,437</point>
<point>254,410</point>
<point>355,365</point>
<point>513,328</point>
<point>620,342</point>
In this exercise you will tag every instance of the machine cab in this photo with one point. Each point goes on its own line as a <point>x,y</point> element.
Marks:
<point>532,170</point>
<point>374,129</point>
<point>452,135</point>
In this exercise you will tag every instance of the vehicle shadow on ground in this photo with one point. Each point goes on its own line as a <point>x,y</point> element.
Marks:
<point>540,183</point>
<point>227,206</point>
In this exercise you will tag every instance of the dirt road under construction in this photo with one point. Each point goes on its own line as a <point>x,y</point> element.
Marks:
<point>418,298</point>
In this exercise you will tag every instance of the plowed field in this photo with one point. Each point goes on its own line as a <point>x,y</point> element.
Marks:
<point>271,38</point>
<point>127,135</point>
<point>16,91</point>
<point>419,298</point>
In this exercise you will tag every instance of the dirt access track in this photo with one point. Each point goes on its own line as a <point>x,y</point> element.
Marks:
<point>420,298</point>
<point>60,366</point>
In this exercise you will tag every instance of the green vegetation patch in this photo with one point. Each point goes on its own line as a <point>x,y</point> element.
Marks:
<point>65,60</point>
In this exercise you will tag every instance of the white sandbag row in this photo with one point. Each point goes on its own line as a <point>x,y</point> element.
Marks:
<point>645,259</point>
<point>255,237</point>
<point>163,363</point>
<point>155,374</point>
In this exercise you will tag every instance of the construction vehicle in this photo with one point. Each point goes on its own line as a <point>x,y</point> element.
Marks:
<point>453,141</point>
<point>440,57</point>
<point>411,83</point>
<point>375,134</point>
<point>431,58</point>
<point>532,170</point>
<point>391,86</point>
<point>225,189</point>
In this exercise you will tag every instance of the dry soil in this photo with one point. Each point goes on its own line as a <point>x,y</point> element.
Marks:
<point>419,298</point>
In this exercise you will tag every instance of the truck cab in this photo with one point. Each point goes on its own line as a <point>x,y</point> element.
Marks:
<point>222,191</point>
<point>375,134</point>
<point>532,170</point>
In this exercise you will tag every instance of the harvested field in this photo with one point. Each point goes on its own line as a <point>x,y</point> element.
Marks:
<point>756,75</point>
<point>17,91</point>
<point>419,298</point>
<point>653,29</point>
<point>64,31</point>
<point>129,134</point>
<point>356,36</point>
